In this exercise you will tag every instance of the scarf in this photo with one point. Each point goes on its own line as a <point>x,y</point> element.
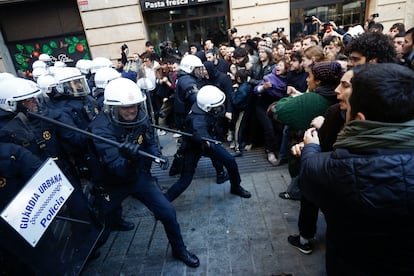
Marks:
<point>371,134</point>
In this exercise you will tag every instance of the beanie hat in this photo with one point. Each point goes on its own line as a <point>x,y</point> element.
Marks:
<point>265,49</point>
<point>328,72</point>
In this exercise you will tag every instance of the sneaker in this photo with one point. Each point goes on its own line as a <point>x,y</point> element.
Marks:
<point>161,132</point>
<point>176,135</point>
<point>306,248</point>
<point>272,159</point>
<point>229,137</point>
<point>248,147</point>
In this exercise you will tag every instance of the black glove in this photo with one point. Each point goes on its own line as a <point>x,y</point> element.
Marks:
<point>129,150</point>
<point>163,162</point>
<point>196,138</point>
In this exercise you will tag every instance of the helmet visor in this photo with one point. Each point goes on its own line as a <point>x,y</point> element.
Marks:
<point>36,104</point>
<point>76,87</point>
<point>128,115</point>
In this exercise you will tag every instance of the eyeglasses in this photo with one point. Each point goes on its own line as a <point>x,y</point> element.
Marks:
<point>354,58</point>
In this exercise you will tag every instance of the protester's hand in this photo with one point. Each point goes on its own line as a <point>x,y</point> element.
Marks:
<point>292,91</point>
<point>311,136</point>
<point>129,150</point>
<point>267,84</point>
<point>296,149</point>
<point>317,122</point>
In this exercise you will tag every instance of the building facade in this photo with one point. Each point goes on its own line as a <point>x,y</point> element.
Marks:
<point>72,29</point>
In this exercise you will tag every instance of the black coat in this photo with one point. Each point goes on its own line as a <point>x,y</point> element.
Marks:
<point>368,201</point>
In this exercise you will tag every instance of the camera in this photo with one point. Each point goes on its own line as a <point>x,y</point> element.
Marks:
<point>233,30</point>
<point>280,29</point>
<point>308,18</point>
<point>327,27</point>
<point>375,15</point>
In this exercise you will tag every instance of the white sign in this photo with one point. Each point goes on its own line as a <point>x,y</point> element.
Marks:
<point>36,205</point>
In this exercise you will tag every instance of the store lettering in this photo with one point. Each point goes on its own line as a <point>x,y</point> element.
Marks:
<point>166,3</point>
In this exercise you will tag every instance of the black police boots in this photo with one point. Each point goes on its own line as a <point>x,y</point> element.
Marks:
<point>238,190</point>
<point>123,225</point>
<point>186,257</point>
<point>222,177</point>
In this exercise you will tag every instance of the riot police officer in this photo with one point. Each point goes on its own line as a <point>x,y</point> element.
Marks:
<point>124,172</point>
<point>202,122</point>
<point>102,77</point>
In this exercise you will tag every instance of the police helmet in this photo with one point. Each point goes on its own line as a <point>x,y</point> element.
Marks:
<point>71,82</point>
<point>46,83</point>
<point>100,62</point>
<point>39,64</point>
<point>84,66</point>
<point>189,63</point>
<point>14,90</point>
<point>211,99</point>
<point>104,75</point>
<point>122,93</point>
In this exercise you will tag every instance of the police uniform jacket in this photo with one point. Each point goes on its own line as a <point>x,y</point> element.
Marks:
<point>202,124</point>
<point>43,138</point>
<point>116,167</point>
<point>17,165</point>
<point>83,110</point>
<point>185,92</point>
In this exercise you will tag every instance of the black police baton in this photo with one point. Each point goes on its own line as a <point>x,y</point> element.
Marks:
<point>93,136</point>
<point>186,134</point>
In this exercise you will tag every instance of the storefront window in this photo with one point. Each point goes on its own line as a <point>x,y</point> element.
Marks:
<point>189,24</point>
<point>343,13</point>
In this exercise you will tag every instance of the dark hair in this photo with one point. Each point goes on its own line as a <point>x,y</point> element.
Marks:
<point>376,27</point>
<point>242,74</point>
<point>148,43</point>
<point>297,56</point>
<point>239,52</point>
<point>410,32</point>
<point>399,26</point>
<point>383,92</point>
<point>373,45</point>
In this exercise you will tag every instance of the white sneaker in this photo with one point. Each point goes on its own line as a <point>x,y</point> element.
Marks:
<point>161,132</point>
<point>176,135</point>
<point>248,147</point>
<point>272,159</point>
<point>229,136</point>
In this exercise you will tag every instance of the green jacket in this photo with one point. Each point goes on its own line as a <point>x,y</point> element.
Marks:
<point>298,112</point>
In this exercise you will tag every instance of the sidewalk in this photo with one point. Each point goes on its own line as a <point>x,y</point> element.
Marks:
<point>230,235</point>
